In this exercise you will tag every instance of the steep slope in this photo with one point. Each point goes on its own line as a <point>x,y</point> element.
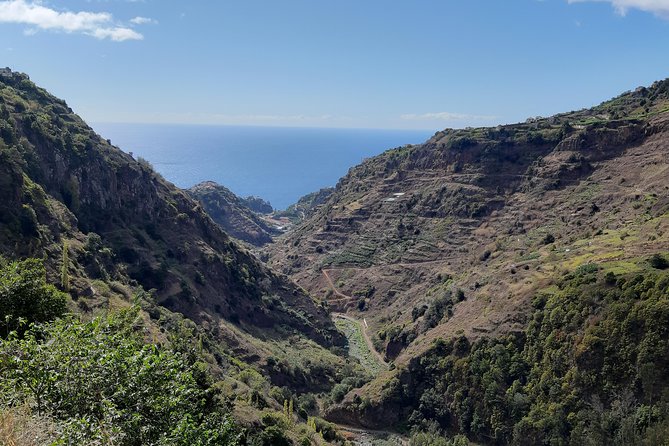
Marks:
<point>61,185</point>
<point>455,237</point>
<point>233,213</point>
<point>306,205</point>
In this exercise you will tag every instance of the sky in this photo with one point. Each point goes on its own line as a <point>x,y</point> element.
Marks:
<point>413,64</point>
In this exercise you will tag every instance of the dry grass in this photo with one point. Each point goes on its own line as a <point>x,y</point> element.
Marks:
<point>18,427</point>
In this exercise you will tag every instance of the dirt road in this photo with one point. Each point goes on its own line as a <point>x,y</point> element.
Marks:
<point>368,341</point>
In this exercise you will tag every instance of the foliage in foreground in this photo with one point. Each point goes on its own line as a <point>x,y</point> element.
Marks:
<point>102,384</point>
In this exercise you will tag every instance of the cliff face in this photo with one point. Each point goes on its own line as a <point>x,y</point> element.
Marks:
<point>455,237</point>
<point>233,214</point>
<point>62,182</point>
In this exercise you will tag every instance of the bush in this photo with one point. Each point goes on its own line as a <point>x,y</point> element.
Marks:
<point>436,311</point>
<point>338,392</point>
<point>548,239</point>
<point>658,261</point>
<point>28,221</point>
<point>272,436</point>
<point>103,384</point>
<point>25,297</point>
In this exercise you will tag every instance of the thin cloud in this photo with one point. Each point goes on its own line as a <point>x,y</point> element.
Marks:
<point>658,7</point>
<point>143,21</point>
<point>96,24</point>
<point>445,116</point>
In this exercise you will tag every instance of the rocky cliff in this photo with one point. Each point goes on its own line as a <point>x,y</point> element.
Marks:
<point>233,213</point>
<point>64,186</point>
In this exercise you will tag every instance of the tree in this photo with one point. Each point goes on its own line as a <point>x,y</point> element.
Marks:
<point>25,297</point>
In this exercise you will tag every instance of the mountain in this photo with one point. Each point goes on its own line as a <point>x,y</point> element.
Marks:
<point>63,188</point>
<point>127,246</point>
<point>496,266</point>
<point>237,216</point>
<point>505,285</point>
<point>306,205</point>
<point>257,205</point>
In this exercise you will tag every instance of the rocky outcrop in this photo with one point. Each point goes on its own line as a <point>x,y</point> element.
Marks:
<point>233,214</point>
<point>306,205</point>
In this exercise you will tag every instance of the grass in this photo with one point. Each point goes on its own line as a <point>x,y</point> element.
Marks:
<point>357,347</point>
<point>18,427</point>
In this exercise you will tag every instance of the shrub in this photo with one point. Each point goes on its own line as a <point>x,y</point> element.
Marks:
<point>658,261</point>
<point>548,239</point>
<point>28,221</point>
<point>272,436</point>
<point>436,311</point>
<point>103,384</point>
<point>25,297</point>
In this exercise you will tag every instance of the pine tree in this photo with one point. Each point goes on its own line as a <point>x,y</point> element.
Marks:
<point>290,412</point>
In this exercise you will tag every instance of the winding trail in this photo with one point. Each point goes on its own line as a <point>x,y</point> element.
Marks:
<point>334,288</point>
<point>342,296</point>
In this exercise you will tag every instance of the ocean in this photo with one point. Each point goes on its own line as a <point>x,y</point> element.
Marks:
<point>278,164</point>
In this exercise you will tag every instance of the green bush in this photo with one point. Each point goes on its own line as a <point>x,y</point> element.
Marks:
<point>272,436</point>
<point>102,383</point>
<point>28,221</point>
<point>25,297</point>
<point>548,239</point>
<point>436,311</point>
<point>658,261</point>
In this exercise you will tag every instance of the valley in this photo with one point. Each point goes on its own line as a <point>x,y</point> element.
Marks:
<point>497,285</point>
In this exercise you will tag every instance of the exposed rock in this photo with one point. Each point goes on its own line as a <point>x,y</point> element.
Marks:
<point>235,214</point>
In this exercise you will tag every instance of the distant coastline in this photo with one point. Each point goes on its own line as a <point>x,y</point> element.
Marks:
<point>279,164</point>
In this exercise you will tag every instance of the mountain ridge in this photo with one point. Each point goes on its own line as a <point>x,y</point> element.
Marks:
<point>455,237</point>
<point>234,214</point>
<point>122,221</point>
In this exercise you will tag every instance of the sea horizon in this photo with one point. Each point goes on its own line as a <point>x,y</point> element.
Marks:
<point>276,163</point>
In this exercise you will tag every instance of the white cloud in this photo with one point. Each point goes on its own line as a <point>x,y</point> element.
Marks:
<point>143,21</point>
<point>657,7</point>
<point>446,116</point>
<point>97,24</point>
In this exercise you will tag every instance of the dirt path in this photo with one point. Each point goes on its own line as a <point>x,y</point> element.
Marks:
<point>342,296</point>
<point>368,341</point>
<point>334,288</point>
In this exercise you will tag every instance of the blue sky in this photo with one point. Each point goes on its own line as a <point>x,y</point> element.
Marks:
<point>425,64</point>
